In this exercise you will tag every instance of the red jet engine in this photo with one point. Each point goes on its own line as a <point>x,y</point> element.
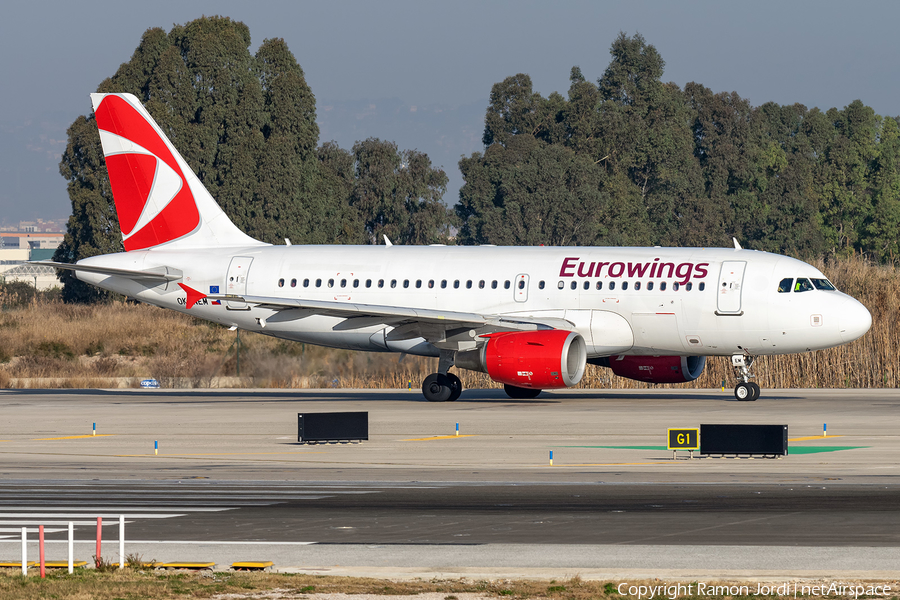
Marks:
<point>658,369</point>
<point>529,359</point>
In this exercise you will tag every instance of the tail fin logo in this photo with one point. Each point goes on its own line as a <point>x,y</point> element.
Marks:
<point>153,200</point>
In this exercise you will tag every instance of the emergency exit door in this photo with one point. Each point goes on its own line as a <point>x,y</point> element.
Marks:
<point>521,287</point>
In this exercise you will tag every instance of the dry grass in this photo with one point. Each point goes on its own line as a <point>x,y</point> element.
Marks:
<point>87,346</point>
<point>129,583</point>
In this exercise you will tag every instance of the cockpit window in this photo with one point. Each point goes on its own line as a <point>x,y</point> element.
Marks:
<point>785,286</point>
<point>803,285</point>
<point>824,284</point>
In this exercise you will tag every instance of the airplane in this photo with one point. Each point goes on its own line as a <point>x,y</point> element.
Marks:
<point>531,318</point>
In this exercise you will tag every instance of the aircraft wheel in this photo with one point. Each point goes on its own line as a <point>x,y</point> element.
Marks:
<point>756,391</point>
<point>520,393</point>
<point>744,392</point>
<point>456,387</point>
<point>436,388</point>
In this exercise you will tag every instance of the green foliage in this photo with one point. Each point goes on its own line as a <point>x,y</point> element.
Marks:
<point>16,294</point>
<point>398,194</point>
<point>631,160</point>
<point>54,350</point>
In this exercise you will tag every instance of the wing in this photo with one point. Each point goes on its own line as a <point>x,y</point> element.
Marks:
<point>433,325</point>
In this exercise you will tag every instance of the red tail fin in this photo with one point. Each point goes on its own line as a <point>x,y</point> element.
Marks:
<point>158,198</point>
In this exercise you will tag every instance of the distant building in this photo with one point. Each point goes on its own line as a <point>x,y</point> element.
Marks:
<point>19,247</point>
<point>30,240</point>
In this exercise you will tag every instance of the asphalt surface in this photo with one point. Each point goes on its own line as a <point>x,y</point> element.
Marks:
<point>230,480</point>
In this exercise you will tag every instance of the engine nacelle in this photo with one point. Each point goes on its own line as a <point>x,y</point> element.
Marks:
<point>530,359</point>
<point>657,369</point>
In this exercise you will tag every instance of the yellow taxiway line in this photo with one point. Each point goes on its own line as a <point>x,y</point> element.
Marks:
<point>679,462</point>
<point>438,437</point>
<point>73,437</point>
<point>177,454</point>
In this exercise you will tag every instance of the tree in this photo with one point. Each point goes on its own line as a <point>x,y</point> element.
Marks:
<point>398,194</point>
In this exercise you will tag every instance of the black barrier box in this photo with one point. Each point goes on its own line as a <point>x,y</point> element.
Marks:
<point>744,439</point>
<point>332,427</point>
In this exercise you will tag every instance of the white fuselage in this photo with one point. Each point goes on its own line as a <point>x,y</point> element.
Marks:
<point>650,301</point>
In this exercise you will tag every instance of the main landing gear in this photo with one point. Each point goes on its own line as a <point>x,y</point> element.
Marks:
<point>745,390</point>
<point>442,386</point>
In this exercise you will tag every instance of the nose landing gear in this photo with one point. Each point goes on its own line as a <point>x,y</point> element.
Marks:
<point>745,390</point>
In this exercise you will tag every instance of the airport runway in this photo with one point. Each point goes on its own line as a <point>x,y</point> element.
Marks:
<point>231,480</point>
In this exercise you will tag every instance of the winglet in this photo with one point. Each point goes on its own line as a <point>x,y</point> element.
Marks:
<point>193,296</point>
<point>387,242</point>
<point>736,245</point>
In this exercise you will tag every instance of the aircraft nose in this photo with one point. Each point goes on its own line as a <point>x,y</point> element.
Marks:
<point>854,320</point>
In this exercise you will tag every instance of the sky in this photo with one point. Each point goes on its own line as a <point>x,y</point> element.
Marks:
<point>420,72</point>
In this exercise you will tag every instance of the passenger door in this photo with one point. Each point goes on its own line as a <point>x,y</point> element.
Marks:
<point>236,281</point>
<point>731,280</point>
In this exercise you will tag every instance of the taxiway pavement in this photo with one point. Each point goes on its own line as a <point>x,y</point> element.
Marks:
<point>230,481</point>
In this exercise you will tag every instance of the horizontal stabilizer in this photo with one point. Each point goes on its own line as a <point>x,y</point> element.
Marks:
<point>156,273</point>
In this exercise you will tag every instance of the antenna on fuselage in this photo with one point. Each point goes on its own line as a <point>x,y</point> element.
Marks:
<point>737,246</point>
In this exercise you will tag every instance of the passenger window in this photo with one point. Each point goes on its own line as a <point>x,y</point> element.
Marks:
<point>418,283</point>
<point>456,284</point>
<point>506,284</point>
<point>573,285</point>
<point>281,283</point>
<point>702,286</point>
<point>481,284</point>
<point>599,285</point>
<point>785,285</point>
<point>443,283</point>
<point>688,286</point>
<point>368,283</point>
<point>587,285</point>
<point>649,286</point>
<point>612,285</point>
<point>494,284</point>
<point>469,284</point>
<point>624,285</point>
<point>540,285</point>
<point>293,283</point>
<point>381,283</point>
<point>431,283</point>
<point>561,285</point>
<point>318,283</point>
<point>356,283</point>
<point>675,286</point>
<point>343,283</point>
<point>393,283</point>
<point>331,283</point>
<point>521,284</point>
<point>637,285</point>
<point>802,285</point>
<point>306,282</point>
<point>662,286</point>
<point>406,283</point>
